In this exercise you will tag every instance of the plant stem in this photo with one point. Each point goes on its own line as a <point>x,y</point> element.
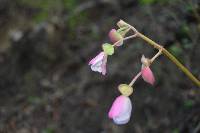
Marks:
<point>155,56</point>
<point>126,38</point>
<point>172,58</point>
<point>135,78</point>
<point>167,54</point>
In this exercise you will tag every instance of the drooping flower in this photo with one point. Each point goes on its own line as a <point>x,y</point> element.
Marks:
<point>146,72</point>
<point>121,110</point>
<point>98,63</point>
<point>115,37</point>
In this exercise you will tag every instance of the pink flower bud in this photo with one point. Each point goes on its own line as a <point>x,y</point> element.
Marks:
<point>121,109</point>
<point>147,75</point>
<point>115,37</point>
<point>98,64</point>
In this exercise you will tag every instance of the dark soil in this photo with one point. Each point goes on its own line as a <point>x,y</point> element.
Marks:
<point>46,85</point>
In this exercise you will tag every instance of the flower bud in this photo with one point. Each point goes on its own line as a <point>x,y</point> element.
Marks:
<point>115,37</point>
<point>147,75</point>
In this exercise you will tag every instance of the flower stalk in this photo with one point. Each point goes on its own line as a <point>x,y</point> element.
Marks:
<point>167,54</point>
<point>121,109</point>
<point>172,58</point>
<point>134,79</point>
<point>126,38</point>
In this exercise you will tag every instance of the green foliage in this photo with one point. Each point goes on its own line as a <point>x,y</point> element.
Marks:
<point>41,16</point>
<point>70,4</point>
<point>176,130</point>
<point>184,31</point>
<point>189,7</point>
<point>148,2</point>
<point>185,28</point>
<point>176,50</point>
<point>74,19</point>
<point>187,44</point>
<point>188,103</point>
<point>34,100</point>
<point>77,19</point>
<point>48,130</point>
<point>45,8</point>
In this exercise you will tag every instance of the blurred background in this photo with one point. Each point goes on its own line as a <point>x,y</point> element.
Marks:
<point>46,85</point>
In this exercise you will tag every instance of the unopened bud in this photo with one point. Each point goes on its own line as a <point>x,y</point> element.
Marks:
<point>115,37</point>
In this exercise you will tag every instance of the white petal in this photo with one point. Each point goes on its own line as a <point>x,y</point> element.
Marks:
<point>97,67</point>
<point>119,121</point>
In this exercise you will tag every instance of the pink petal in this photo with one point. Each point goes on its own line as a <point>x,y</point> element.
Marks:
<point>115,36</point>
<point>116,107</point>
<point>125,114</point>
<point>121,109</point>
<point>147,75</point>
<point>97,58</point>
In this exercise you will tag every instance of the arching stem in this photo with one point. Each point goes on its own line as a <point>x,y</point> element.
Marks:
<point>167,54</point>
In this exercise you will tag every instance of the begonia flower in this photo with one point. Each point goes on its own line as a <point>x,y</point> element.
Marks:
<point>98,63</point>
<point>121,110</point>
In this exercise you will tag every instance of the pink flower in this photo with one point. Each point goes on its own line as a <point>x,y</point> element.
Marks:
<point>121,109</point>
<point>115,37</point>
<point>98,64</point>
<point>147,75</point>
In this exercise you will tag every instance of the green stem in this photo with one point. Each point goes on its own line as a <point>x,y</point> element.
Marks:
<point>164,51</point>
<point>171,57</point>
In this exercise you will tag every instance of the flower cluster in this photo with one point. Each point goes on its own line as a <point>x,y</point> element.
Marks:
<point>121,109</point>
<point>98,63</point>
